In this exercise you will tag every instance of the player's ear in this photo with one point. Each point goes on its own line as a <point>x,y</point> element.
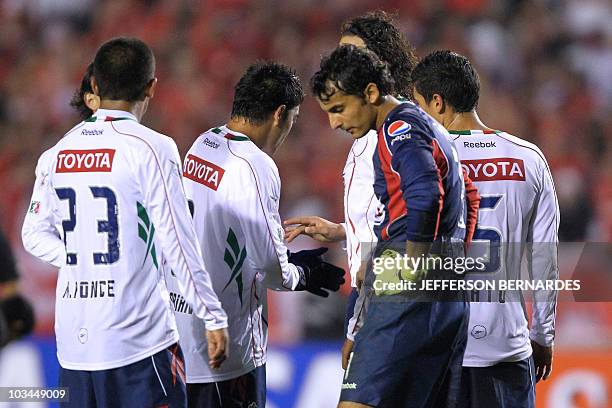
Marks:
<point>279,115</point>
<point>150,88</point>
<point>92,101</point>
<point>438,104</point>
<point>371,93</point>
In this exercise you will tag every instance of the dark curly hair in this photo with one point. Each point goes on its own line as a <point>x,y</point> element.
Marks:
<point>263,88</point>
<point>78,98</point>
<point>351,69</point>
<point>449,75</point>
<point>380,34</point>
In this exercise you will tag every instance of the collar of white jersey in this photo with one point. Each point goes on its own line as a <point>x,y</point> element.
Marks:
<point>230,134</point>
<point>111,115</point>
<point>473,132</point>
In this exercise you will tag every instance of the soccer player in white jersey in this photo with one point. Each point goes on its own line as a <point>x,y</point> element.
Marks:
<point>377,32</point>
<point>519,216</point>
<point>233,187</point>
<point>107,202</point>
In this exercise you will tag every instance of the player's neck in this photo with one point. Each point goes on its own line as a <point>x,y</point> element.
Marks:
<point>133,107</point>
<point>388,104</point>
<point>464,121</point>
<point>257,134</point>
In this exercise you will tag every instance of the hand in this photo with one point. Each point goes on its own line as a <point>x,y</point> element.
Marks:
<point>542,358</point>
<point>218,347</point>
<point>317,274</point>
<point>316,228</point>
<point>347,349</point>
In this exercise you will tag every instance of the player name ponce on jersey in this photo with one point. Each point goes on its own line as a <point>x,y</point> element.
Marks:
<point>107,204</point>
<point>519,210</point>
<point>233,189</point>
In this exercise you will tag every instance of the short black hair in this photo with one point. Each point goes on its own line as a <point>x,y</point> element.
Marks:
<point>123,67</point>
<point>381,35</point>
<point>263,88</point>
<point>78,98</point>
<point>449,75</point>
<point>351,69</point>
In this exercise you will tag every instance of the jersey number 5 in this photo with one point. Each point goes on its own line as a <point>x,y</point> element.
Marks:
<point>109,226</point>
<point>489,234</point>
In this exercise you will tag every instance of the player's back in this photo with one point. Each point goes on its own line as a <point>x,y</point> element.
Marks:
<point>228,180</point>
<point>112,307</point>
<point>509,174</point>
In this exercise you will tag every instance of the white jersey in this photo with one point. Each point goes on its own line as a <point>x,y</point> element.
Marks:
<point>108,201</point>
<point>360,202</point>
<point>518,208</point>
<point>361,209</point>
<point>234,190</point>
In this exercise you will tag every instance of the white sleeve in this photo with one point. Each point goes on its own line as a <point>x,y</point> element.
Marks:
<point>344,244</point>
<point>40,234</point>
<point>167,207</point>
<point>542,244</point>
<point>359,312</point>
<point>269,253</point>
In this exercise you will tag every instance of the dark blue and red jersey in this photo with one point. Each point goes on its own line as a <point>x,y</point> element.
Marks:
<point>418,179</point>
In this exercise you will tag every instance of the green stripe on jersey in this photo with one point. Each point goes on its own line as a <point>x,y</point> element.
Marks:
<point>146,232</point>
<point>471,132</point>
<point>235,262</point>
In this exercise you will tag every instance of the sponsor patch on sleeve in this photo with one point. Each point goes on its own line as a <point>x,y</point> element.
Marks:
<point>203,172</point>
<point>399,131</point>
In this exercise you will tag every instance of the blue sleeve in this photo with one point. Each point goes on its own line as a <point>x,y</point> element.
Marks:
<point>412,158</point>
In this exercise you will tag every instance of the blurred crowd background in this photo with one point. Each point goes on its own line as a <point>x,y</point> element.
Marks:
<point>545,67</point>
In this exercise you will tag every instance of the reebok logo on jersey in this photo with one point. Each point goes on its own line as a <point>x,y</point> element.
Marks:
<point>502,168</point>
<point>479,144</point>
<point>92,132</point>
<point>81,161</point>
<point>210,143</point>
<point>203,172</point>
<point>478,331</point>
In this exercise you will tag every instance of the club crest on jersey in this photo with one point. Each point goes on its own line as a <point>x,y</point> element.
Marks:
<point>34,207</point>
<point>85,161</point>
<point>398,130</point>
<point>203,172</point>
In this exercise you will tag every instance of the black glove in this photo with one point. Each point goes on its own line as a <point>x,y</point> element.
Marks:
<point>317,276</point>
<point>19,317</point>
